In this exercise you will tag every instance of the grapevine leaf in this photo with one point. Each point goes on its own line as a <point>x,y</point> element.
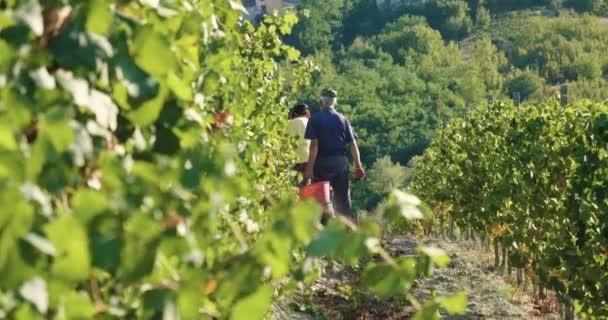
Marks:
<point>254,306</point>
<point>181,88</point>
<point>139,252</point>
<point>35,292</point>
<point>7,138</point>
<point>305,216</point>
<point>57,128</point>
<point>408,204</point>
<point>237,6</point>
<point>86,204</point>
<point>131,78</point>
<point>454,304</point>
<point>78,306</point>
<point>437,256</point>
<point>74,48</point>
<point>273,250</point>
<point>106,112</point>
<point>210,83</point>
<point>19,107</point>
<point>326,242</point>
<point>99,17</point>
<point>41,243</point>
<point>72,261</point>
<point>155,299</point>
<point>152,52</point>
<point>25,312</point>
<point>5,20</point>
<point>170,312</point>
<point>30,13</point>
<point>429,311</point>
<point>41,148</point>
<point>148,112</point>
<point>382,279</point>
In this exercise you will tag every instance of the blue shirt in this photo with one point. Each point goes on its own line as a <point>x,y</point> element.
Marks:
<point>332,130</point>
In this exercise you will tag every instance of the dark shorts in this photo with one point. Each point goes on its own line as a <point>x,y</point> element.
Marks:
<point>335,170</point>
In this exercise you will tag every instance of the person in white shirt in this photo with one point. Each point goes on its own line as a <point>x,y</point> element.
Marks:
<point>298,120</point>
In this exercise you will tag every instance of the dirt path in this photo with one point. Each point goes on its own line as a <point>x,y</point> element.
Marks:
<point>490,295</point>
<point>336,295</point>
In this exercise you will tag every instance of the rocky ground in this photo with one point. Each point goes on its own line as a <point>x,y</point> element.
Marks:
<point>336,295</point>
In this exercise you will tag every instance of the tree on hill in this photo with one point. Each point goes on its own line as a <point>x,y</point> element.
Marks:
<point>585,5</point>
<point>321,25</point>
<point>529,85</point>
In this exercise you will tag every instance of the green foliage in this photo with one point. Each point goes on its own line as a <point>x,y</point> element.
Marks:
<point>321,24</point>
<point>144,167</point>
<point>533,177</point>
<point>451,17</point>
<point>527,83</point>
<point>489,63</point>
<point>382,178</point>
<point>483,17</point>
<point>408,35</point>
<point>584,5</point>
<point>385,176</point>
<point>499,6</point>
<point>560,49</point>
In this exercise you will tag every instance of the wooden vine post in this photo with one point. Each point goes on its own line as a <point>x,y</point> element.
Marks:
<point>496,254</point>
<point>563,94</point>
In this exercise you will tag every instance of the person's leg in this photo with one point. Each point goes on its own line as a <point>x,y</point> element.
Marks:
<point>341,186</point>
<point>325,172</point>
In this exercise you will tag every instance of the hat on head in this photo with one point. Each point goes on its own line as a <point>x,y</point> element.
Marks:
<point>327,92</point>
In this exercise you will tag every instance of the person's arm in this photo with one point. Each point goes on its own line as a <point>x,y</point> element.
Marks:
<point>313,150</point>
<point>312,158</point>
<point>354,151</point>
<point>358,170</point>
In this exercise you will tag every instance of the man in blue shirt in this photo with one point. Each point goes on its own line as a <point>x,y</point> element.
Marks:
<point>330,135</point>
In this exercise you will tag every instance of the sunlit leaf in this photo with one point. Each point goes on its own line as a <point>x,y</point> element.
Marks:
<point>86,204</point>
<point>139,252</point>
<point>35,292</point>
<point>149,111</point>
<point>72,261</point>
<point>152,52</point>
<point>429,311</point>
<point>40,243</point>
<point>438,256</point>
<point>305,217</point>
<point>179,87</point>
<point>99,16</point>
<point>210,83</point>
<point>254,306</point>
<point>382,279</point>
<point>30,13</point>
<point>58,129</point>
<point>7,138</point>
<point>454,304</point>
<point>78,306</point>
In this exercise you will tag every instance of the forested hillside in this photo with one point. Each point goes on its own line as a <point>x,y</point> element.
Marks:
<point>401,70</point>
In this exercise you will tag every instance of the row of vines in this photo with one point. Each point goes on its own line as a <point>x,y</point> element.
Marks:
<point>145,171</point>
<point>535,177</point>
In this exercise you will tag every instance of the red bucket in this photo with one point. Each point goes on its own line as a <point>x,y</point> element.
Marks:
<point>318,191</point>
